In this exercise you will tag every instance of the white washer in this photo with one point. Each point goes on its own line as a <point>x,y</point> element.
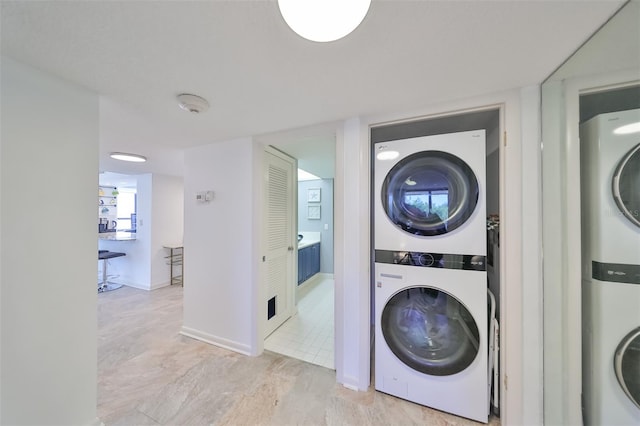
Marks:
<point>429,194</point>
<point>431,337</point>
<point>431,344</point>
<point>610,170</point>
<point>611,353</point>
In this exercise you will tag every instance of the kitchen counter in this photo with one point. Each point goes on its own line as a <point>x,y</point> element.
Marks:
<point>117,236</point>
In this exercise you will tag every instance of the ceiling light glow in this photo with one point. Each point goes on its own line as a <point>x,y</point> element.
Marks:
<point>123,156</point>
<point>323,20</point>
<point>387,155</point>
<point>628,129</point>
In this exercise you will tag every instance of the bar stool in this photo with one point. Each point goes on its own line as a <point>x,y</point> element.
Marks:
<point>105,255</point>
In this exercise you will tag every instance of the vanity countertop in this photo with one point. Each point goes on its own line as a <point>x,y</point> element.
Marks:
<point>308,239</point>
<point>306,243</point>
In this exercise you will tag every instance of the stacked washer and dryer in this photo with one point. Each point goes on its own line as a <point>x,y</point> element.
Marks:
<point>610,170</point>
<point>431,306</point>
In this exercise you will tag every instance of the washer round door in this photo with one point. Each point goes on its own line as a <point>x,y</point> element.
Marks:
<point>626,185</point>
<point>430,193</point>
<point>430,331</point>
<point>626,364</point>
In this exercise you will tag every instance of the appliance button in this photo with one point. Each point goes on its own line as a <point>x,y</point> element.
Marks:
<point>425,259</point>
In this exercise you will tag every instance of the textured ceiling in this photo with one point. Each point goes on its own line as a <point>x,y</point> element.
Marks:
<point>261,78</point>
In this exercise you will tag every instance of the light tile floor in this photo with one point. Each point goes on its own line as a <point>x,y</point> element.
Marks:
<point>309,334</point>
<point>150,374</point>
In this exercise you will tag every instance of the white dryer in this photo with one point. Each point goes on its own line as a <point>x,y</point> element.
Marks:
<point>431,337</point>
<point>610,170</point>
<point>429,194</point>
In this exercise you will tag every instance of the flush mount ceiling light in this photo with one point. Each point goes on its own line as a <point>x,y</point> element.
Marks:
<point>628,129</point>
<point>192,103</point>
<point>323,20</point>
<point>123,156</point>
<point>387,155</point>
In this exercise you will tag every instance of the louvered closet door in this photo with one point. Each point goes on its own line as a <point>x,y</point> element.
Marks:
<point>279,239</point>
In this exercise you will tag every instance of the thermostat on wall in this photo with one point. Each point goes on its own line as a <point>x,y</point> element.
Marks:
<point>204,196</point>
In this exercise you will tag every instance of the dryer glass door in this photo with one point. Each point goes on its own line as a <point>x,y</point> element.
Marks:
<point>626,363</point>
<point>430,331</point>
<point>430,193</point>
<point>626,185</point>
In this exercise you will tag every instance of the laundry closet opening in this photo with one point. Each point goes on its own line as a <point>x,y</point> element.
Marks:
<point>436,288</point>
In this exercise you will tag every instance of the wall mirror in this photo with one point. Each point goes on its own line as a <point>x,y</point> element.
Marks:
<point>603,76</point>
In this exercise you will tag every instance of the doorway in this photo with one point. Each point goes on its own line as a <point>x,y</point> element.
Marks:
<point>308,334</point>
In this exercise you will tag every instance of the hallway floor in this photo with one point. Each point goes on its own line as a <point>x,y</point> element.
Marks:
<point>148,374</point>
<point>309,334</point>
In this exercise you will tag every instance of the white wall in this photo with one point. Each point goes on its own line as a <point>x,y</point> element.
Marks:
<point>49,163</point>
<point>219,244</point>
<point>352,251</point>
<point>167,218</point>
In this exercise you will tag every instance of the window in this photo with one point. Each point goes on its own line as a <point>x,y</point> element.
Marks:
<point>126,208</point>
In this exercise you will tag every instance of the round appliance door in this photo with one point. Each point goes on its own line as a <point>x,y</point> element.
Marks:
<point>626,364</point>
<point>626,185</point>
<point>430,193</point>
<point>430,331</point>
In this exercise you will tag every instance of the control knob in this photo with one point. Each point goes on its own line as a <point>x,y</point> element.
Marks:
<point>425,259</point>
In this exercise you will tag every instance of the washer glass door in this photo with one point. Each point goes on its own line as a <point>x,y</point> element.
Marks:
<point>430,331</point>
<point>626,185</point>
<point>430,193</point>
<point>626,364</point>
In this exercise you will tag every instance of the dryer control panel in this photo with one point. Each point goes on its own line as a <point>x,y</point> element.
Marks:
<point>432,260</point>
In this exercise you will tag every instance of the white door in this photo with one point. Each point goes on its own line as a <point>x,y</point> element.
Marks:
<point>279,231</point>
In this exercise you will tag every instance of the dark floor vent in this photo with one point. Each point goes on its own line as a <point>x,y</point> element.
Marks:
<point>271,308</point>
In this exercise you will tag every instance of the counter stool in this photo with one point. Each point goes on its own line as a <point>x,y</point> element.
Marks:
<point>105,255</point>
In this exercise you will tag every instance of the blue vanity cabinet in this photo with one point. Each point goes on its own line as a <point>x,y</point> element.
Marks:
<point>308,262</point>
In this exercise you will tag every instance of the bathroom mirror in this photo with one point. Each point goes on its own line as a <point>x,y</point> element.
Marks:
<point>602,76</point>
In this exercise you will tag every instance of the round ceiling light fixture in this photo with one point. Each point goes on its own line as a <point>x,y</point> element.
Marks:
<point>323,20</point>
<point>192,103</point>
<point>123,156</point>
<point>628,129</point>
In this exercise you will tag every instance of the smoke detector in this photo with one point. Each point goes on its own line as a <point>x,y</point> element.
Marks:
<point>192,103</point>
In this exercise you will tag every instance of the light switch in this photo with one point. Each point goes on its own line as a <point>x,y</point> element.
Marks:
<point>326,226</point>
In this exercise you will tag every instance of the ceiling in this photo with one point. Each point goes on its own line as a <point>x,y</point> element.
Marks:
<point>264,81</point>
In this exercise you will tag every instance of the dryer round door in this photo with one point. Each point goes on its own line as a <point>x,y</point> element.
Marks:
<point>430,193</point>
<point>626,185</point>
<point>430,331</point>
<point>626,364</point>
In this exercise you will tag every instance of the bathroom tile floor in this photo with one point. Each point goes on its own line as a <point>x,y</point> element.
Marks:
<point>309,334</point>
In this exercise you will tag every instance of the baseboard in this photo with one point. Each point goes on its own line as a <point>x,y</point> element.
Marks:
<point>216,341</point>
<point>351,383</point>
<point>141,286</point>
<point>130,284</point>
<point>160,285</point>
